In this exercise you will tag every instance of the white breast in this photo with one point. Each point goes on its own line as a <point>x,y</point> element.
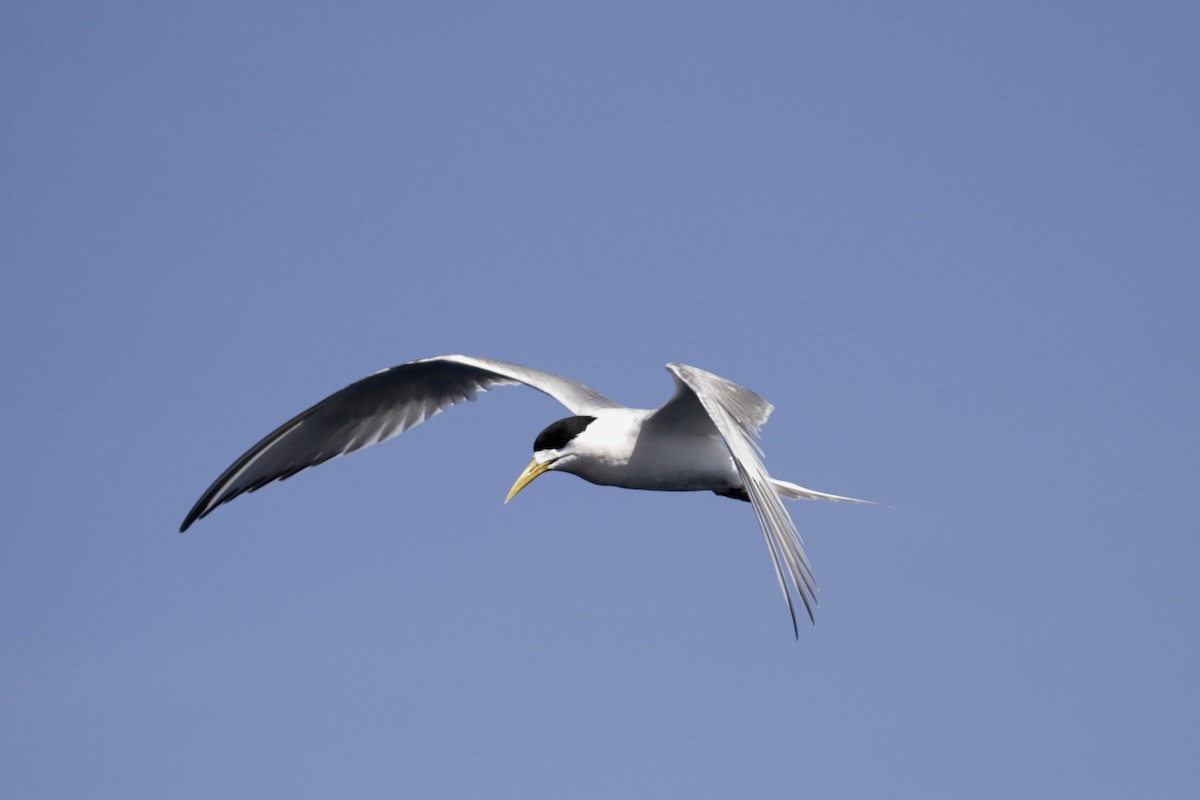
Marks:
<point>616,450</point>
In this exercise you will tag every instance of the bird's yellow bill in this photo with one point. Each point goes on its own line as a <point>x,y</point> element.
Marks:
<point>532,471</point>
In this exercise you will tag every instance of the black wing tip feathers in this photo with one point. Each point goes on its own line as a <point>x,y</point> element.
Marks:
<point>188,520</point>
<point>198,512</point>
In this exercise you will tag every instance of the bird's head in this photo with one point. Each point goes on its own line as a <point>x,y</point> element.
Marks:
<point>555,448</point>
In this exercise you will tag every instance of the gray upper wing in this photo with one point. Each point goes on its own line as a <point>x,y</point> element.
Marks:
<point>685,411</point>
<point>376,408</point>
<point>707,403</point>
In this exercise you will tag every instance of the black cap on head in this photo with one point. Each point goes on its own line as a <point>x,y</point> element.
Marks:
<point>557,434</point>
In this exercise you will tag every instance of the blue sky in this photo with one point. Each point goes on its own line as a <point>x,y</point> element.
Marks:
<point>957,247</point>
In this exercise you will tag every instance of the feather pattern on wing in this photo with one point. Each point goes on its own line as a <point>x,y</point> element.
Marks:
<point>377,408</point>
<point>737,414</point>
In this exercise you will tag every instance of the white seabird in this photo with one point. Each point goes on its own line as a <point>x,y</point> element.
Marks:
<point>702,439</point>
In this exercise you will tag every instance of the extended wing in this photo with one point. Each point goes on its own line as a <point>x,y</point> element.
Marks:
<point>707,403</point>
<point>376,408</point>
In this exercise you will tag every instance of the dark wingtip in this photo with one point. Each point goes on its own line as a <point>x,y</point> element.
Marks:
<point>192,516</point>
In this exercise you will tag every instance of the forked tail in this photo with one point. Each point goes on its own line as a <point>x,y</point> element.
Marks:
<point>793,492</point>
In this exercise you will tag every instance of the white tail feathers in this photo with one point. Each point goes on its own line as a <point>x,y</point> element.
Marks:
<point>793,492</point>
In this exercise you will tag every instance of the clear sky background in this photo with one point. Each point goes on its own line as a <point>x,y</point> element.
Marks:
<point>957,245</point>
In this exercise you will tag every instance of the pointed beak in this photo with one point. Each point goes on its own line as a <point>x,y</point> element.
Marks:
<point>532,471</point>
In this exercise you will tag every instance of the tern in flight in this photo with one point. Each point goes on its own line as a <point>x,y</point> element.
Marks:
<point>702,439</point>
